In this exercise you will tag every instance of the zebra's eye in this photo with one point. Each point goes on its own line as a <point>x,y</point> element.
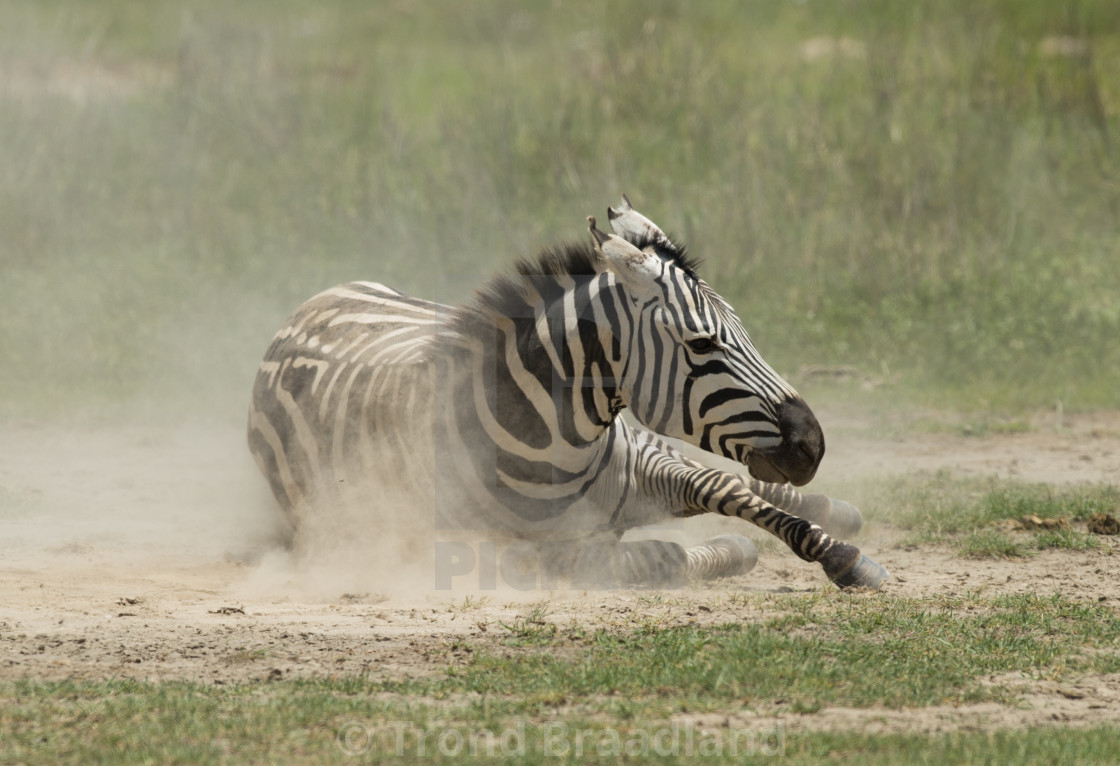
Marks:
<point>702,345</point>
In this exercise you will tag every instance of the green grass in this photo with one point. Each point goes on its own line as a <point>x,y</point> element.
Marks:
<point>991,543</point>
<point>932,200</point>
<point>825,649</point>
<point>321,727</point>
<point>531,627</point>
<point>973,515</point>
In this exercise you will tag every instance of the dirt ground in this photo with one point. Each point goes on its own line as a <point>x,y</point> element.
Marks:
<point>148,553</point>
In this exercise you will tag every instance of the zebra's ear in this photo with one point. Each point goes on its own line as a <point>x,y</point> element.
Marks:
<point>637,270</point>
<point>632,226</point>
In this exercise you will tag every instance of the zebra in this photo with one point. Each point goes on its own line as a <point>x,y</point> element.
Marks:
<point>503,416</point>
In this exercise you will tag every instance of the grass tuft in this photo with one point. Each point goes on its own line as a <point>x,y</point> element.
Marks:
<point>990,543</point>
<point>977,516</point>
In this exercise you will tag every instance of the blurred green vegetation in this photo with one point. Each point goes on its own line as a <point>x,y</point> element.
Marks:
<point>928,192</point>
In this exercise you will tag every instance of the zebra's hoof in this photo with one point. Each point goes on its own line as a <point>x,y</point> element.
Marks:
<point>865,573</point>
<point>844,520</point>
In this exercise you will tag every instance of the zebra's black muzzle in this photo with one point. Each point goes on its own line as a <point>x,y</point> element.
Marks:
<point>796,459</point>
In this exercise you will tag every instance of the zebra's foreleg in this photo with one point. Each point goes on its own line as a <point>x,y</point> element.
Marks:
<point>730,495</point>
<point>844,564</point>
<point>838,518</point>
<point>685,488</point>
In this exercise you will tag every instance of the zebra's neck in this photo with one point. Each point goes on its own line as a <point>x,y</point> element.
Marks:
<point>543,383</point>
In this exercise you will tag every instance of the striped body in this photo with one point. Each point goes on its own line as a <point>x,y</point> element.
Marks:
<point>340,394</point>
<point>365,386</point>
<point>502,417</point>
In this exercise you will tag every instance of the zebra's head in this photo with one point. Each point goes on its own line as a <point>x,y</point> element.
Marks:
<point>691,370</point>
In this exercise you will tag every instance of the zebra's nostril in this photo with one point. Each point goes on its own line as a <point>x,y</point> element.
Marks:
<point>803,439</point>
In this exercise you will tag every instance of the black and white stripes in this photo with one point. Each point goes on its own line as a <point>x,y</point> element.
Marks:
<point>503,416</point>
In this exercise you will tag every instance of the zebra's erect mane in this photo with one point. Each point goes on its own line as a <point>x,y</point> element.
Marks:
<point>510,294</point>
<point>504,295</point>
<point>579,259</point>
<point>567,260</point>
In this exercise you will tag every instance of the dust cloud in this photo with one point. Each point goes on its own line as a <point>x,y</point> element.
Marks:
<point>371,548</point>
<point>187,505</point>
<point>135,499</point>
<point>130,493</point>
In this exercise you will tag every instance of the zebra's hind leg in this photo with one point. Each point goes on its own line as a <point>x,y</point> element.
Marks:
<point>659,564</point>
<point>723,556</point>
<point>631,564</point>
